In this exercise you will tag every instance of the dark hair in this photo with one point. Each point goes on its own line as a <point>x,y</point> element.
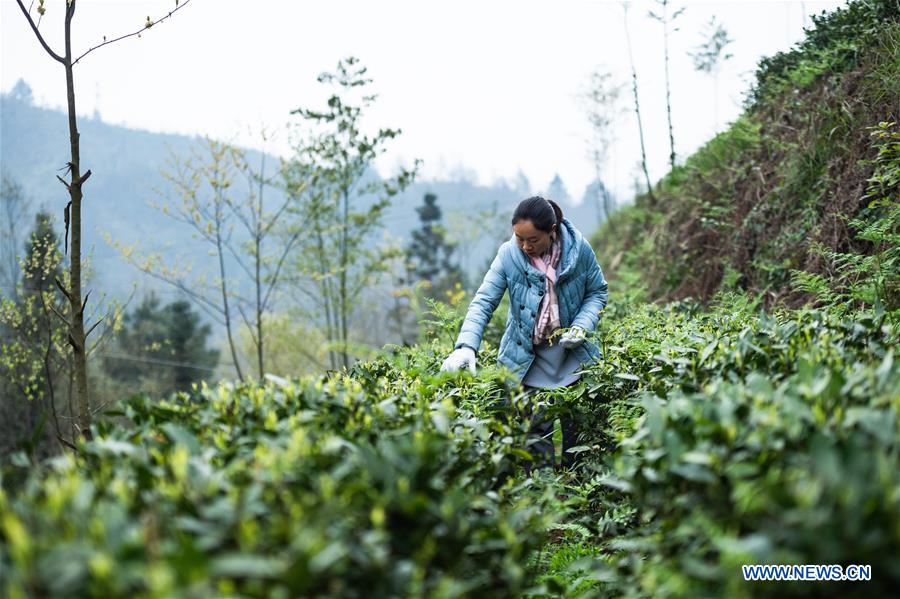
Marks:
<point>542,213</point>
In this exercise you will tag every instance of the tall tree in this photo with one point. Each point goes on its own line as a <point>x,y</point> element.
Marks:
<point>430,255</point>
<point>74,320</point>
<point>667,20</point>
<point>709,56</point>
<point>601,101</point>
<point>341,204</point>
<point>204,195</point>
<point>637,102</point>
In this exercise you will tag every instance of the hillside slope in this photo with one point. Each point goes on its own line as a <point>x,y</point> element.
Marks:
<point>773,194</point>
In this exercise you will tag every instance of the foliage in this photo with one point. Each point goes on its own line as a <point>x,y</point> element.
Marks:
<point>295,347</point>
<point>709,55</point>
<point>873,279</point>
<point>709,438</point>
<point>203,195</point>
<point>161,349</point>
<point>36,348</point>
<point>339,207</point>
<point>386,481</point>
<point>834,45</point>
<point>739,438</point>
<point>34,354</point>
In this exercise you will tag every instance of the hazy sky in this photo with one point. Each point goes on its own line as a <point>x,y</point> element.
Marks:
<point>487,86</point>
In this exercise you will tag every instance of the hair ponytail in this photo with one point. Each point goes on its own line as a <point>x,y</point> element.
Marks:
<point>557,211</point>
<point>543,213</point>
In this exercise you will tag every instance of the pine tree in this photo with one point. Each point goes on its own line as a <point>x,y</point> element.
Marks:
<point>430,255</point>
<point>162,349</point>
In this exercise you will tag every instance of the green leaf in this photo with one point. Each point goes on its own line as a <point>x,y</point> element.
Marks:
<point>247,565</point>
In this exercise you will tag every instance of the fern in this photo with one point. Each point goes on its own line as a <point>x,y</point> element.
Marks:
<point>872,279</point>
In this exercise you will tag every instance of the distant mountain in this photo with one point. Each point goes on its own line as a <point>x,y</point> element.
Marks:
<point>126,165</point>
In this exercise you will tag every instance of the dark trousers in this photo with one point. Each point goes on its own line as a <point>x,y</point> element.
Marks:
<point>540,436</point>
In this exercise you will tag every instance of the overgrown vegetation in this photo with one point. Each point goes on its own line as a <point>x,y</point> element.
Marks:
<point>785,188</point>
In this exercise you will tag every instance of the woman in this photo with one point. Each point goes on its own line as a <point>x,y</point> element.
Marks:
<point>554,283</point>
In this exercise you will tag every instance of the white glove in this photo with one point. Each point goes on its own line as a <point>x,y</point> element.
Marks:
<point>460,358</point>
<point>572,338</point>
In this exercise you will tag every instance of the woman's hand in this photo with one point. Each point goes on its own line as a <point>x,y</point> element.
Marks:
<point>572,338</point>
<point>460,358</point>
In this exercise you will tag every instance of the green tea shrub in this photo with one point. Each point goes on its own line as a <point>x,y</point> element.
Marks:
<point>743,438</point>
<point>375,483</point>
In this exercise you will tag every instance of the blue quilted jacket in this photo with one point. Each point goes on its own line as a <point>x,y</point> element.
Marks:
<point>580,288</point>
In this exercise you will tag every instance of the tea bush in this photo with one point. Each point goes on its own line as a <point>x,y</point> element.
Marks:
<point>376,482</point>
<point>710,438</point>
<point>741,438</point>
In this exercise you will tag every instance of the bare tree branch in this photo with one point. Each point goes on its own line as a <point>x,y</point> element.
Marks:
<point>63,289</point>
<point>63,441</point>
<point>208,306</point>
<point>61,317</point>
<point>47,371</point>
<point>106,332</point>
<point>249,325</point>
<point>147,25</point>
<point>281,260</point>
<point>40,37</point>
<point>91,330</point>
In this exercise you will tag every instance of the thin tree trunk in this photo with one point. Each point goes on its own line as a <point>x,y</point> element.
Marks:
<point>76,307</point>
<point>602,215</point>
<point>259,315</point>
<point>607,204</point>
<point>73,434</point>
<point>47,370</point>
<point>259,310</point>
<point>668,88</point>
<point>637,104</point>
<point>224,288</point>
<point>330,333</point>
<point>345,309</point>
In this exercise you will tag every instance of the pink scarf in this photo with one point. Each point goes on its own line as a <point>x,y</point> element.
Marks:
<point>548,319</point>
